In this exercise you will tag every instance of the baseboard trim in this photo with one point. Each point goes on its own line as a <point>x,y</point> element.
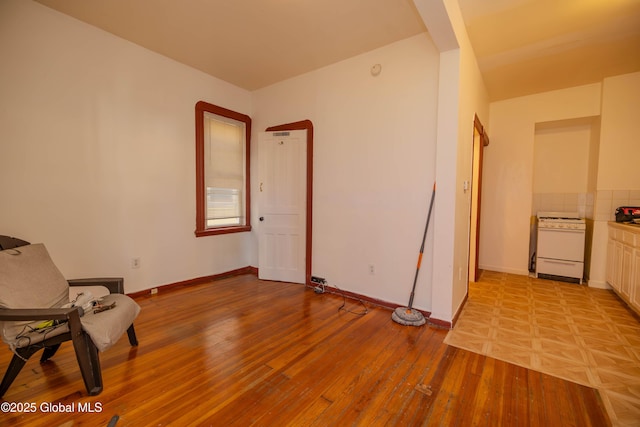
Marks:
<point>459,311</point>
<point>500,269</point>
<point>440,323</point>
<point>598,284</point>
<point>197,281</point>
<point>370,300</point>
<point>254,271</point>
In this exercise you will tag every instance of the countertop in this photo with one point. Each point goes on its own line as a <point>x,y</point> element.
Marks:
<point>625,226</point>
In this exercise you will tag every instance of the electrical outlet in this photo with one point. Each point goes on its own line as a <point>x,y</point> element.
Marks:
<point>135,262</point>
<point>154,291</point>
<point>372,269</point>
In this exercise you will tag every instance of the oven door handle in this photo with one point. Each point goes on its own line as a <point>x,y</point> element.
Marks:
<point>553,261</point>
<point>561,230</point>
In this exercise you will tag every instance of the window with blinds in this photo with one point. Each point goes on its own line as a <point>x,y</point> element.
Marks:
<point>222,170</point>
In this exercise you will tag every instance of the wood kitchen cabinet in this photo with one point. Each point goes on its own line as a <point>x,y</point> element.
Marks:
<point>623,262</point>
<point>611,262</point>
<point>635,278</point>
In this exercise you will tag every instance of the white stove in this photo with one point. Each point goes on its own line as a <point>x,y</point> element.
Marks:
<point>560,246</point>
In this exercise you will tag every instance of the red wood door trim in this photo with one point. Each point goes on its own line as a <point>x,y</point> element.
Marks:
<point>484,141</point>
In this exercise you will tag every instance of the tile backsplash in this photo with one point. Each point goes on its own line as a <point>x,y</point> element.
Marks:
<point>583,203</point>
<point>608,200</point>
<point>600,206</point>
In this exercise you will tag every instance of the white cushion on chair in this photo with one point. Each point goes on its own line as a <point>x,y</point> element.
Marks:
<point>106,328</point>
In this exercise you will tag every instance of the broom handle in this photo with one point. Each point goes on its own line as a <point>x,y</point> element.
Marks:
<point>424,238</point>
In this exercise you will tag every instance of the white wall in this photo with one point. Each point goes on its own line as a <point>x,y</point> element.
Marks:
<point>508,170</point>
<point>461,96</point>
<point>561,159</point>
<point>97,151</point>
<point>508,174</point>
<point>474,100</point>
<point>620,133</point>
<point>374,165</point>
<point>618,183</point>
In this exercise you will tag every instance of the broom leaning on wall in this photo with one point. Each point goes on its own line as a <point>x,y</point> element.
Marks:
<point>408,315</point>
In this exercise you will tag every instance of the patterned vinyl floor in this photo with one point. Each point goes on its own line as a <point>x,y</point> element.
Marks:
<point>570,331</point>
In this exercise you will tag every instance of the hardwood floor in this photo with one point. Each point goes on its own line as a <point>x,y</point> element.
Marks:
<point>241,351</point>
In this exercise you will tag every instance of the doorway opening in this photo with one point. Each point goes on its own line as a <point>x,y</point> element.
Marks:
<point>480,140</point>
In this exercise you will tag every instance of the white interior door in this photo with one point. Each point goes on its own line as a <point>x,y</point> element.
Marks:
<point>282,205</point>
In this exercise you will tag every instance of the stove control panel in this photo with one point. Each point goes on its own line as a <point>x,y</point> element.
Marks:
<point>561,225</point>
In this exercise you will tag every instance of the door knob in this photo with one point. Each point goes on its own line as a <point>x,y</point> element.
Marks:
<point>261,218</point>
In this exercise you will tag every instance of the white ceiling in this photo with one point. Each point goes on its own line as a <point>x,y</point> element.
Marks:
<point>531,46</point>
<point>523,46</point>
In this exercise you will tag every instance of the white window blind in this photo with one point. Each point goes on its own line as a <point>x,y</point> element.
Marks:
<point>224,154</point>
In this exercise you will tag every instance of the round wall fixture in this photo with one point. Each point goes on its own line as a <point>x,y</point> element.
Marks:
<point>376,69</point>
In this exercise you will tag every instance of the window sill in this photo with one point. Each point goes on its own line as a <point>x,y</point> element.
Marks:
<point>222,230</point>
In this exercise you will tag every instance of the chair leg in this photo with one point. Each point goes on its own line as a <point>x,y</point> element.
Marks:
<point>49,352</point>
<point>16,364</point>
<point>89,362</point>
<point>133,340</point>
